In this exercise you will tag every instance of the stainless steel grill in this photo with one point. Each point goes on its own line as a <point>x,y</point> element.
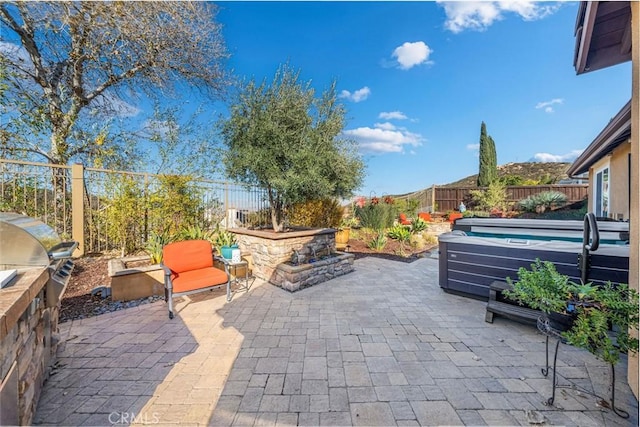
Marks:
<point>26,243</point>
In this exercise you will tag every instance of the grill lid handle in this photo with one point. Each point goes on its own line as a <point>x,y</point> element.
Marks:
<point>63,250</point>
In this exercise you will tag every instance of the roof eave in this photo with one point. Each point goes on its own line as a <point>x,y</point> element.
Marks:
<point>606,140</point>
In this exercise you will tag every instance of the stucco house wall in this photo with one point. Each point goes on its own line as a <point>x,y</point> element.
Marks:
<point>618,164</point>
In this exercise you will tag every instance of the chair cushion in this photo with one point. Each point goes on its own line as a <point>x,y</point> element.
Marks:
<point>197,279</point>
<point>187,255</point>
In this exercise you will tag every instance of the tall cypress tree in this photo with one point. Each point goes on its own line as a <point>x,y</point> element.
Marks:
<point>488,168</point>
<point>493,161</point>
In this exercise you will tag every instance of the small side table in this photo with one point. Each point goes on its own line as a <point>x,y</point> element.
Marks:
<point>548,331</point>
<point>233,269</point>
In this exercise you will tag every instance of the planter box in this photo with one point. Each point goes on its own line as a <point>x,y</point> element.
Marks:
<point>129,283</point>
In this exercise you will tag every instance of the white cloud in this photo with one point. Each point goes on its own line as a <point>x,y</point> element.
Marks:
<point>385,126</point>
<point>411,54</point>
<point>548,157</point>
<point>548,105</point>
<point>392,115</point>
<point>473,147</point>
<point>357,96</point>
<point>462,15</point>
<point>384,138</point>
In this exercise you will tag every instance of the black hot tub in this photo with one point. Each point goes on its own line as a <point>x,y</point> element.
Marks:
<point>468,264</point>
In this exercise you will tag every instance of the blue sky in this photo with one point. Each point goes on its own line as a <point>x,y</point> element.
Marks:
<point>418,78</point>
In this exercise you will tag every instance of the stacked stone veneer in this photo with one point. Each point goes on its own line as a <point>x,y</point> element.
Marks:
<point>295,277</point>
<point>270,250</point>
<point>28,343</point>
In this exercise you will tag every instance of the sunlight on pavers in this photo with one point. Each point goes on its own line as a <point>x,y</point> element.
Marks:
<point>190,391</point>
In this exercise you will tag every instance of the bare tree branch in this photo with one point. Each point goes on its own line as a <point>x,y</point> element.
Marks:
<point>82,54</point>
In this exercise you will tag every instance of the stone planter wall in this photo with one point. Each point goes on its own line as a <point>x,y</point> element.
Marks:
<point>269,249</point>
<point>295,277</point>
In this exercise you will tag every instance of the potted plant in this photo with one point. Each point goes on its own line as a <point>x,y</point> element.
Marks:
<point>344,230</point>
<point>596,318</point>
<point>543,288</point>
<point>225,241</point>
<point>603,326</point>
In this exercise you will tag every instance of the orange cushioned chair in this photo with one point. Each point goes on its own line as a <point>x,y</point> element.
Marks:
<point>188,268</point>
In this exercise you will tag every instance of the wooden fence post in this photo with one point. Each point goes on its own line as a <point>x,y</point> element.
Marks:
<point>77,207</point>
<point>433,198</point>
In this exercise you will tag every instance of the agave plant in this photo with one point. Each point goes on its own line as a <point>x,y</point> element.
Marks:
<point>195,232</point>
<point>418,225</point>
<point>378,242</point>
<point>401,234</point>
<point>154,246</point>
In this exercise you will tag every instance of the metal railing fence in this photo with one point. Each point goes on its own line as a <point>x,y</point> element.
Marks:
<point>106,209</point>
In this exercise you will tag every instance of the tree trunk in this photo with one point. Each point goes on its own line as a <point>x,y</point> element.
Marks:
<point>59,183</point>
<point>275,204</point>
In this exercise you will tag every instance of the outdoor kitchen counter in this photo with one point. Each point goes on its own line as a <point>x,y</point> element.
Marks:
<point>16,298</point>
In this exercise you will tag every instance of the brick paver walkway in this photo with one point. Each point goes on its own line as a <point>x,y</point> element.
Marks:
<point>380,346</point>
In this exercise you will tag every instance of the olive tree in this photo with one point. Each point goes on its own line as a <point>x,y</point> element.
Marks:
<point>64,66</point>
<point>283,138</point>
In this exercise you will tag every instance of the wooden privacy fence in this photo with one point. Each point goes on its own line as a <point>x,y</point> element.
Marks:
<point>83,203</point>
<point>443,199</point>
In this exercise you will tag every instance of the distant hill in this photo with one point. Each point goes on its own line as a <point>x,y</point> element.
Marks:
<point>547,173</point>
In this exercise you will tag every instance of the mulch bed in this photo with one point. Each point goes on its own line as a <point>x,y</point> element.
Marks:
<point>391,251</point>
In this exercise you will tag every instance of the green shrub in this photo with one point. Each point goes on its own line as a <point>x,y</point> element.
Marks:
<point>376,216</point>
<point>175,205</point>
<point>317,214</point>
<point>493,197</point>
<point>408,206</point>
<point>124,213</point>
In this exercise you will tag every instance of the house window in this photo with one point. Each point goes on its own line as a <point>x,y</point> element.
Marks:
<point>601,193</point>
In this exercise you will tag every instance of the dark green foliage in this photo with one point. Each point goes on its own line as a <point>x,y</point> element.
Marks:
<point>285,140</point>
<point>612,305</point>
<point>597,309</point>
<point>488,168</point>
<point>512,180</point>
<point>408,206</point>
<point>541,288</point>
<point>376,217</point>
